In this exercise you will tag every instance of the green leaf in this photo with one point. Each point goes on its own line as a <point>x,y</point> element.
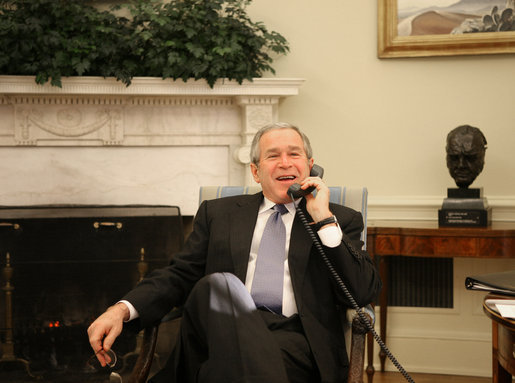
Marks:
<point>196,50</point>
<point>82,67</point>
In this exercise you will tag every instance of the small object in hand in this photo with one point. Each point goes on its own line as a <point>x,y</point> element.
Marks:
<point>110,357</point>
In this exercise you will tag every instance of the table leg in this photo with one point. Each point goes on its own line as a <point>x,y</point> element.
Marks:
<point>499,374</point>
<point>383,303</point>
<point>503,376</point>
<point>370,358</point>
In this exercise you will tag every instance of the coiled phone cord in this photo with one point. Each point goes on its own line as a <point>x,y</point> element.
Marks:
<point>351,299</point>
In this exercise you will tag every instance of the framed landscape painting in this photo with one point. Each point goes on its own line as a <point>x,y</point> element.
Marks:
<point>416,28</point>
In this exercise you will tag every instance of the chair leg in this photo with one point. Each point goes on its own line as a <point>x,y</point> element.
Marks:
<point>357,357</point>
<point>370,370</point>
<point>356,360</point>
<point>144,362</point>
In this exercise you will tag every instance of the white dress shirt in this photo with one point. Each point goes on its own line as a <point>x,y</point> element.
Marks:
<point>330,236</point>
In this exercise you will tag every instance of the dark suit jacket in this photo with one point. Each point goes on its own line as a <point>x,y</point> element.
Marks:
<point>220,242</point>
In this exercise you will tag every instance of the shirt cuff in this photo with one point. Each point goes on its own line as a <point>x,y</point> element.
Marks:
<point>133,313</point>
<point>330,236</point>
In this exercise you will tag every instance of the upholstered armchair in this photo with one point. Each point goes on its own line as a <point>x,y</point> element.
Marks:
<point>355,331</point>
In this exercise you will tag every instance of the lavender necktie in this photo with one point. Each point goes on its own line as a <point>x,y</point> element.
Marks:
<point>267,286</point>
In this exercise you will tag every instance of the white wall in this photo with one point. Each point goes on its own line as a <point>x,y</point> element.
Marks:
<point>383,123</point>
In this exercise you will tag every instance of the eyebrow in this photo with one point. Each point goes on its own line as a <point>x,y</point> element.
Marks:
<point>290,148</point>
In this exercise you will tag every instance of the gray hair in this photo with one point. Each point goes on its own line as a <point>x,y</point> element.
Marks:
<point>254,148</point>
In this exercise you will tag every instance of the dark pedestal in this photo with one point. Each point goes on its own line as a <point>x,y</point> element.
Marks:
<point>465,207</point>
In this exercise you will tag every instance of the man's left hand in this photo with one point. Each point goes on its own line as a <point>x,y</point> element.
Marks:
<point>318,207</point>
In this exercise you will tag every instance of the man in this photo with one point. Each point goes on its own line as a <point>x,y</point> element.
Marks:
<point>466,147</point>
<point>224,337</point>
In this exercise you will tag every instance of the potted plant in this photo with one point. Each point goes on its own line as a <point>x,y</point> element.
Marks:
<point>181,39</point>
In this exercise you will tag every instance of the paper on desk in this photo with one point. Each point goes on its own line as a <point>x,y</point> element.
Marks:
<point>506,310</point>
<point>505,307</point>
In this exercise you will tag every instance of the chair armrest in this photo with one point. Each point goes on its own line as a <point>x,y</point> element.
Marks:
<point>353,317</point>
<point>176,313</point>
<point>359,331</point>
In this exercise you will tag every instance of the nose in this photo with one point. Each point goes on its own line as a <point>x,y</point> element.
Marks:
<point>285,160</point>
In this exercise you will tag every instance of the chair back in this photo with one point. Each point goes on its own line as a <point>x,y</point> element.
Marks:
<point>353,197</point>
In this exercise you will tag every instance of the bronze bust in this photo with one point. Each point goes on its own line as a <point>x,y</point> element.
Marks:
<point>466,147</point>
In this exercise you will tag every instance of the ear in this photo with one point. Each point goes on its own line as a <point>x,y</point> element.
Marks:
<point>311,162</point>
<point>254,170</point>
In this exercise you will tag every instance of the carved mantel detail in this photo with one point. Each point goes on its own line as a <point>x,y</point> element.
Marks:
<point>66,124</point>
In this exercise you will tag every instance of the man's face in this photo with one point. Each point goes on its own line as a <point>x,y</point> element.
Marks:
<point>465,158</point>
<point>282,162</point>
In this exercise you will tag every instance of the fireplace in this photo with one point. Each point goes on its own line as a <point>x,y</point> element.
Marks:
<point>65,265</point>
<point>97,142</point>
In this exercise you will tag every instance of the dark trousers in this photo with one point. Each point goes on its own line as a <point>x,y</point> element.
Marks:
<point>224,338</point>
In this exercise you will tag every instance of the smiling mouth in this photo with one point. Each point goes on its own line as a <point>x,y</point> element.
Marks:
<point>286,178</point>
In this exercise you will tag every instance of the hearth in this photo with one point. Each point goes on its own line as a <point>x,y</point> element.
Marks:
<point>62,266</point>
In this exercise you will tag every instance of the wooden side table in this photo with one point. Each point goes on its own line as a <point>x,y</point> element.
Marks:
<point>503,343</point>
<point>426,239</point>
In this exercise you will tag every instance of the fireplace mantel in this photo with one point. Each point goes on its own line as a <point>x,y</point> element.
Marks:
<point>152,86</point>
<point>95,140</point>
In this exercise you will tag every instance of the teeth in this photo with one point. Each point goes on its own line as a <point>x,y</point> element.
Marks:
<point>286,178</point>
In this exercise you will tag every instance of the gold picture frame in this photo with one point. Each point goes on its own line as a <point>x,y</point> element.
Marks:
<point>391,45</point>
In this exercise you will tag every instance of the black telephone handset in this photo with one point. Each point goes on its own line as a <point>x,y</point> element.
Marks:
<point>295,190</point>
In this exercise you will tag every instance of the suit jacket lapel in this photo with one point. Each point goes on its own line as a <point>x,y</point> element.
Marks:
<point>300,249</point>
<point>242,223</point>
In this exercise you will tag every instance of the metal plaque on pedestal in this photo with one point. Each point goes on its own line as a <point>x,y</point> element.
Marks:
<point>465,207</point>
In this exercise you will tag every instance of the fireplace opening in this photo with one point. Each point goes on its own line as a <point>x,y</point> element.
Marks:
<point>62,266</point>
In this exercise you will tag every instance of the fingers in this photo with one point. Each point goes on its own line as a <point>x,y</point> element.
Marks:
<point>103,332</point>
<point>322,189</point>
<point>103,358</point>
<point>106,358</point>
<point>96,335</point>
<point>101,338</point>
<point>312,181</point>
<point>109,339</point>
<point>318,207</point>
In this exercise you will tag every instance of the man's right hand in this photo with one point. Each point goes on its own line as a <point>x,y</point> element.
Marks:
<point>105,329</point>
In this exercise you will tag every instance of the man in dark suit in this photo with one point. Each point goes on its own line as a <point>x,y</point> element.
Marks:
<point>224,337</point>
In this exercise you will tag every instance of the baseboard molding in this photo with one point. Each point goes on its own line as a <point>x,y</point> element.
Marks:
<point>424,369</point>
<point>436,355</point>
<point>445,336</point>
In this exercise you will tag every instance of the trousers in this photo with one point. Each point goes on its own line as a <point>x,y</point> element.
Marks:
<point>224,338</point>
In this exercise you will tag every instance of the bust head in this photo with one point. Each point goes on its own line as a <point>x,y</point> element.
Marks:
<point>465,149</point>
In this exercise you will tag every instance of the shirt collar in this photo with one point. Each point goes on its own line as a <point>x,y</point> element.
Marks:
<point>267,204</point>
